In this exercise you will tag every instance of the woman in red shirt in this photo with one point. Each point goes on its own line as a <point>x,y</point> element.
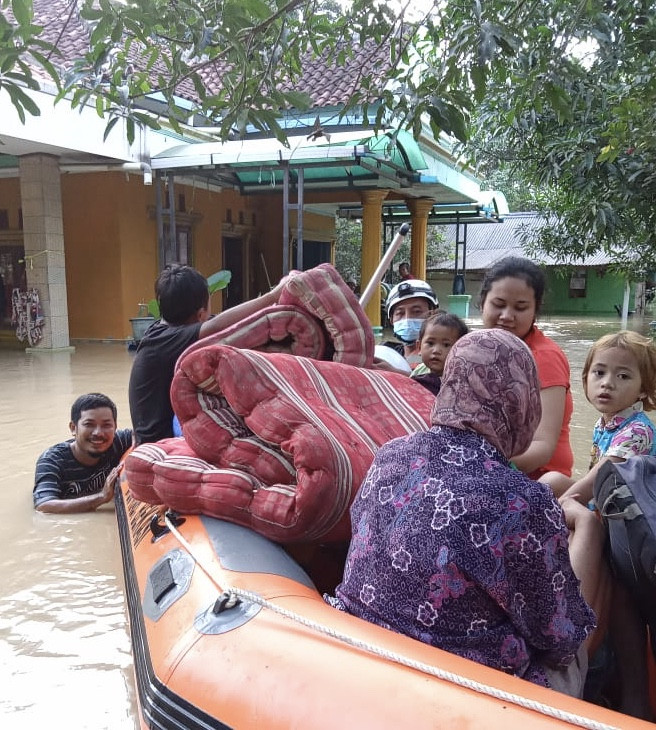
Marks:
<point>510,299</point>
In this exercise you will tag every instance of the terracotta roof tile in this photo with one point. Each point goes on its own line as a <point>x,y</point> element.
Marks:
<point>327,84</point>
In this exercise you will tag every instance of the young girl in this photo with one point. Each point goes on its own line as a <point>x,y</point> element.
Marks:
<point>437,336</point>
<point>619,379</point>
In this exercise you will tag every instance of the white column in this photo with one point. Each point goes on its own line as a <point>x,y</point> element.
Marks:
<point>43,239</point>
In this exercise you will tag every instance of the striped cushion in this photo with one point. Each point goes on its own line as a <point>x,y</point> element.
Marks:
<point>322,292</point>
<point>140,461</point>
<point>276,442</point>
<point>288,328</point>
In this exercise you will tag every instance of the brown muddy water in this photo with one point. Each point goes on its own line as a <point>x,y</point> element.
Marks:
<point>65,658</point>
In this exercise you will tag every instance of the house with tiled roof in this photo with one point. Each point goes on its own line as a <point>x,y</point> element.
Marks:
<point>586,286</point>
<point>87,223</point>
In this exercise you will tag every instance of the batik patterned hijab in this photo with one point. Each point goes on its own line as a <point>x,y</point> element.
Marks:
<point>490,386</point>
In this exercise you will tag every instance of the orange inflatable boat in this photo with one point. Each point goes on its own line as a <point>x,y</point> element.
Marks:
<point>228,631</point>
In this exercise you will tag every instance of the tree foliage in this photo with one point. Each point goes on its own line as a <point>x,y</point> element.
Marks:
<point>572,121</point>
<point>561,93</point>
<point>20,43</point>
<point>348,251</point>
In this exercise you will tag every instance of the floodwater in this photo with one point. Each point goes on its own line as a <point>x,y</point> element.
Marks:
<point>64,638</point>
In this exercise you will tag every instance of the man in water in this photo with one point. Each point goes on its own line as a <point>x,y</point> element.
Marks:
<point>80,475</point>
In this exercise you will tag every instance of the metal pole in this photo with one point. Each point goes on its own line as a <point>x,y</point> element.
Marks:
<point>625,305</point>
<point>299,219</point>
<point>377,277</point>
<point>285,219</point>
<point>172,247</point>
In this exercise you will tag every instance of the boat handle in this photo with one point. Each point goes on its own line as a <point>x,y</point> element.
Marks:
<point>159,529</point>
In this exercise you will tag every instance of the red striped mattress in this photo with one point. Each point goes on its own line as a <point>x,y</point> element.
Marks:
<point>273,441</point>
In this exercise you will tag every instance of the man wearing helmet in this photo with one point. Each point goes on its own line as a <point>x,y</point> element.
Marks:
<point>408,304</point>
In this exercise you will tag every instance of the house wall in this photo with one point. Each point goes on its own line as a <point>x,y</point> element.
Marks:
<point>11,251</point>
<point>96,292</point>
<point>10,199</point>
<point>111,246</point>
<point>269,240</point>
<point>602,292</point>
<point>110,238</point>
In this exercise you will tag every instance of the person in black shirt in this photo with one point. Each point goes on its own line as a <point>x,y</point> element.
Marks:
<point>183,297</point>
<point>79,475</point>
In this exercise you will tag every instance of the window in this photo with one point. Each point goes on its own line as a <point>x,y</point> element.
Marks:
<point>577,284</point>
<point>181,250</point>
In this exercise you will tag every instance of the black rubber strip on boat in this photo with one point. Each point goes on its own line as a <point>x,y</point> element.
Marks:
<point>161,708</point>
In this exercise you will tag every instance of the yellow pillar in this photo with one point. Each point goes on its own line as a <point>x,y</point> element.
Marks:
<point>419,209</point>
<point>372,236</point>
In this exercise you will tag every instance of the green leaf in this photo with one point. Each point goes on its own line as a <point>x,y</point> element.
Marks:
<point>11,90</point>
<point>47,65</point>
<point>110,125</point>
<point>479,77</point>
<point>153,308</point>
<point>23,11</point>
<point>129,129</point>
<point>26,102</point>
<point>560,101</point>
<point>219,280</point>
<point>299,99</point>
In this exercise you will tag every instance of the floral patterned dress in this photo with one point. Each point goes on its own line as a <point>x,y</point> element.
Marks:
<point>628,433</point>
<point>452,547</point>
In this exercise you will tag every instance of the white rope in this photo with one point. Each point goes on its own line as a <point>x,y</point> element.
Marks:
<point>366,646</point>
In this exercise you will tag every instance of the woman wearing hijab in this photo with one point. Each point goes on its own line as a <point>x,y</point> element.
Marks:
<point>453,547</point>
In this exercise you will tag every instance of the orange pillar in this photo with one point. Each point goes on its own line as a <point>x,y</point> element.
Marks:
<point>372,237</point>
<point>419,209</point>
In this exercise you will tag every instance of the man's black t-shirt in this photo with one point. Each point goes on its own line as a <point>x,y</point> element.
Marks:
<point>151,377</point>
<point>59,475</point>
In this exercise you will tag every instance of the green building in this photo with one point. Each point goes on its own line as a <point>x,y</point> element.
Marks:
<point>586,286</point>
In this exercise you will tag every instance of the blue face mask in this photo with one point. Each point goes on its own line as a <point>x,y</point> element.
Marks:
<point>407,330</point>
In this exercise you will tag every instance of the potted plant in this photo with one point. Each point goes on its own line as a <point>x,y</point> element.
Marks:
<point>149,311</point>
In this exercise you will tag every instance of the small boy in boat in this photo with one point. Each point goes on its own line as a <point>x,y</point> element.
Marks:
<point>438,333</point>
<point>408,304</point>
<point>184,302</point>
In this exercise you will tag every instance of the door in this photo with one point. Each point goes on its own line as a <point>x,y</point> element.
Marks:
<point>12,276</point>
<point>314,253</point>
<point>233,261</point>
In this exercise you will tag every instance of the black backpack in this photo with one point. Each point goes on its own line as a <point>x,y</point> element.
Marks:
<point>625,494</point>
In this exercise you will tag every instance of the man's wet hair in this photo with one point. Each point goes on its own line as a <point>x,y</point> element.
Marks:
<point>181,291</point>
<point>88,402</point>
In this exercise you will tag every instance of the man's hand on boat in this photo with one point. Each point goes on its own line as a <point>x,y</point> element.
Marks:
<point>109,488</point>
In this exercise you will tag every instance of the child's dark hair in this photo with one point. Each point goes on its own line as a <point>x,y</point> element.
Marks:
<point>445,319</point>
<point>88,402</point>
<point>644,351</point>
<point>181,291</point>
<point>514,267</point>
